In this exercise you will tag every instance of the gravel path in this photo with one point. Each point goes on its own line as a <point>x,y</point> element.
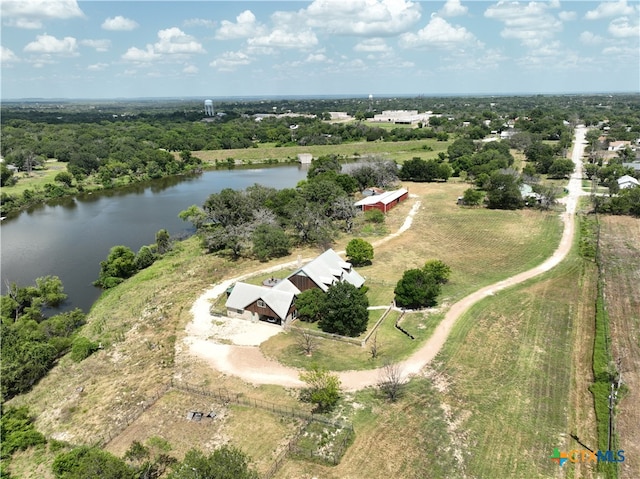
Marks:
<point>230,345</point>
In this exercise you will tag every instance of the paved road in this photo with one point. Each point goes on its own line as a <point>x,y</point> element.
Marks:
<point>248,363</point>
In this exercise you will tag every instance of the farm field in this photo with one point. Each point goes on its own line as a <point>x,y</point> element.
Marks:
<point>620,256</point>
<point>38,178</point>
<point>399,151</point>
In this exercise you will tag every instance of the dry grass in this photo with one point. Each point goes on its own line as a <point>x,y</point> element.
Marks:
<point>620,254</point>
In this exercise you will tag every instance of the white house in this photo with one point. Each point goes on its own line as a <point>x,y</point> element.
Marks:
<point>627,181</point>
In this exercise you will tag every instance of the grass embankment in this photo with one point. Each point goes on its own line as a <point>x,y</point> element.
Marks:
<point>481,246</point>
<point>399,151</point>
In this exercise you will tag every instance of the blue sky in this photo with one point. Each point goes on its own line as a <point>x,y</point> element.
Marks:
<point>128,49</point>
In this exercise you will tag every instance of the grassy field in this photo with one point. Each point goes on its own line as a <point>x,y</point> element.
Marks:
<point>37,178</point>
<point>399,151</point>
<point>620,256</point>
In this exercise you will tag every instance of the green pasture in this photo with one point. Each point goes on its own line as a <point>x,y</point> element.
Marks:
<point>399,151</point>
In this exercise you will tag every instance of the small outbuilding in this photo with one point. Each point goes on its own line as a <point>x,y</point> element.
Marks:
<point>383,202</point>
<point>305,158</point>
<point>627,181</point>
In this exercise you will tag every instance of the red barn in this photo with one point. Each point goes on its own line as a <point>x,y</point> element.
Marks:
<point>383,202</point>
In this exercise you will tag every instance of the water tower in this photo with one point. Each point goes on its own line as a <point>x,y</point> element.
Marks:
<point>208,107</point>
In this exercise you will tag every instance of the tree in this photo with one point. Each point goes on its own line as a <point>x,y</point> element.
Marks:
<point>6,176</point>
<point>85,461</point>
<point>310,304</point>
<point>270,242</point>
<point>416,289</point>
<point>438,270</point>
<point>345,310</point>
<point>226,462</point>
<point>391,381</point>
<point>65,178</point>
<point>503,191</point>
<point>163,241</point>
<point>119,265</point>
<point>561,168</point>
<point>359,252</point>
<point>323,388</point>
<point>307,342</point>
<point>472,197</point>
<point>145,257</point>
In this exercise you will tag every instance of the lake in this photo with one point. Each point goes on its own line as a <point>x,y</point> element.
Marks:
<point>70,238</point>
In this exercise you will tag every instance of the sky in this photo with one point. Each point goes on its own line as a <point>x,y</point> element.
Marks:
<point>213,49</point>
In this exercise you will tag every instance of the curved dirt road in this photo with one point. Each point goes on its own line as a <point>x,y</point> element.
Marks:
<point>245,360</point>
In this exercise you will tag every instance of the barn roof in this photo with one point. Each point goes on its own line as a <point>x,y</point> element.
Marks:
<point>384,198</point>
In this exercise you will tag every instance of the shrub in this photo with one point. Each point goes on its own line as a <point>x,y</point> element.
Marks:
<point>374,216</point>
<point>82,348</point>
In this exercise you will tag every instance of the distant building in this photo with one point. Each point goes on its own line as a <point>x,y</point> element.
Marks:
<point>618,145</point>
<point>406,117</point>
<point>627,181</point>
<point>305,158</point>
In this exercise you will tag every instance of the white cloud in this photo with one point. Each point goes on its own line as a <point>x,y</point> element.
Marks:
<point>362,17</point>
<point>190,70</point>
<point>372,45</point>
<point>453,8</point>
<point>316,58</point>
<point>99,45</point>
<point>609,9</point>
<point>32,13</point>
<point>589,38</point>
<point>280,38</point>
<point>97,67</point>
<point>530,23</point>
<point>199,22</point>
<point>173,40</point>
<point>51,45</point>
<point>119,23</point>
<point>624,28</point>
<point>134,54</point>
<point>172,43</point>
<point>229,61</point>
<point>567,16</point>
<point>438,33</point>
<point>7,56</point>
<point>244,27</point>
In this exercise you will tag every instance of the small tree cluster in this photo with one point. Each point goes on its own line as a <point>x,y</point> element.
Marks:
<point>359,252</point>
<point>420,288</point>
<point>323,388</point>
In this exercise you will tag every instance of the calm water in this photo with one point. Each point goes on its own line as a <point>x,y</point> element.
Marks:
<point>70,239</point>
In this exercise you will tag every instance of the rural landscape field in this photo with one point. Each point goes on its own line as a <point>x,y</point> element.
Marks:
<point>535,326</point>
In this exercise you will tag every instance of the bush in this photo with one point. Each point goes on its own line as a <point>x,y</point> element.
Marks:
<point>82,348</point>
<point>359,252</point>
<point>416,289</point>
<point>374,216</point>
<point>18,432</point>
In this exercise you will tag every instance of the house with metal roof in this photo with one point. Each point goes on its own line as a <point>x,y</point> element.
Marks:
<point>261,303</point>
<point>325,270</point>
<point>627,181</point>
<point>276,304</point>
